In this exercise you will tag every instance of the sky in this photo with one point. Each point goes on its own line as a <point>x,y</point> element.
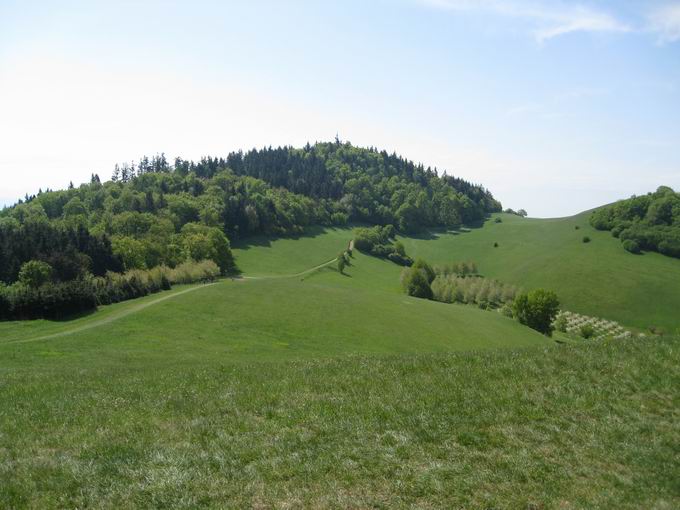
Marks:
<point>556,107</point>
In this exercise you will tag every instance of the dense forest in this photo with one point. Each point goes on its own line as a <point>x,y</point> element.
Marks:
<point>648,222</point>
<point>154,213</point>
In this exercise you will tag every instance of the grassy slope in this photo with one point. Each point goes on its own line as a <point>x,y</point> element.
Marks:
<point>597,278</point>
<point>263,256</point>
<point>589,426</point>
<point>236,395</point>
<point>320,314</point>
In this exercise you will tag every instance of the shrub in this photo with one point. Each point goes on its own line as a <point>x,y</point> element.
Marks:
<point>498,220</point>
<point>51,300</point>
<point>378,242</point>
<point>655,330</point>
<point>576,227</point>
<point>456,268</point>
<point>421,265</point>
<point>4,302</point>
<point>194,272</point>
<point>208,243</point>
<point>587,331</point>
<point>560,323</point>
<point>381,250</point>
<point>495,245</point>
<point>342,262</point>
<point>586,239</point>
<point>670,247</point>
<point>631,246</point>
<point>35,273</point>
<point>506,310</point>
<point>365,238</point>
<point>339,218</point>
<point>415,283</point>
<point>404,260</point>
<point>537,309</point>
<point>451,288</point>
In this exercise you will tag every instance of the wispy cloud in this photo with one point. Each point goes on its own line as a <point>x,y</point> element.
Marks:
<point>665,22</point>
<point>548,19</point>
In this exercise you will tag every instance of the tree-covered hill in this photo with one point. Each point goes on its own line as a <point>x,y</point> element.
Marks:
<point>648,222</point>
<point>153,212</point>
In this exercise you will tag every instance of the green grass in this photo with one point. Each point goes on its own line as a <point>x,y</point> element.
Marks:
<point>598,278</point>
<point>589,426</point>
<point>332,391</point>
<point>264,256</point>
<point>269,319</point>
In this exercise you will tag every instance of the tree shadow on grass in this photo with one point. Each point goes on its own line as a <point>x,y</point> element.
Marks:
<point>73,316</point>
<point>264,240</point>
<point>426,235</point>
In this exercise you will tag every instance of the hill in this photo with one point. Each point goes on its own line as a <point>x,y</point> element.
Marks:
<point>154,213</point>
<point>597,278</point>
<point>294,385</point>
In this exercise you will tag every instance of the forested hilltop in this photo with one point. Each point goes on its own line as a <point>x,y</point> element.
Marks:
<point>155,213</point>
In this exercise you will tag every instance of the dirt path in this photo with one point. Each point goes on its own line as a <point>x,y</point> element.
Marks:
<point>138,308</point>
<point>306,271</point>
<point>109,319</point>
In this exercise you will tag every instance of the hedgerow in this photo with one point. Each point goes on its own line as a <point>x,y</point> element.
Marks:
<point>56,300</point>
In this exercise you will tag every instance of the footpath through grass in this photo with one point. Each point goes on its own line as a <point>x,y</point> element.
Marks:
<point>264,256</point>
<point>256,320</point>
<point>588,426</point>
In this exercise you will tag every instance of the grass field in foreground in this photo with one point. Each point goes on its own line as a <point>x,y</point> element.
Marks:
<point>588,426</point>
<point>598,278</point>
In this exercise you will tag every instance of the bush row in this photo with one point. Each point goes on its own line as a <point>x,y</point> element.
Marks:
<point>487,294</point>
<point>379,241</point>
<point>50,301</point>
<point>456,268</point>
<point>536,309</point>
<point>56,300</point>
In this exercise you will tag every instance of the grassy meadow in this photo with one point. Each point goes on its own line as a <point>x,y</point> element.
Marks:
<point>597,278</point>
<point>318,314</point>
<point>588,426</point>
<point>325,390</point>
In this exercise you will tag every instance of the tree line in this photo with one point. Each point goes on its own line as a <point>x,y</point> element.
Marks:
<point>37,295</point>
<point>155,213</point>
<point>460,283</point>
<point>648,222</point>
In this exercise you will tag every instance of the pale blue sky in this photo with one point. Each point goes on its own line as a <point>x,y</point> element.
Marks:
<point>556,107</point>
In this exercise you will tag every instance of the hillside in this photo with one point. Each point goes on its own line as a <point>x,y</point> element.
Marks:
<point>310,388</point>
<point>256,318</point>
<point>596,278</point>
<point>159,420</point>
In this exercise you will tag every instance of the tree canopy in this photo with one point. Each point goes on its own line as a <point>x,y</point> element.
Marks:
<point>648,222</point>
<point>154,212</point>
